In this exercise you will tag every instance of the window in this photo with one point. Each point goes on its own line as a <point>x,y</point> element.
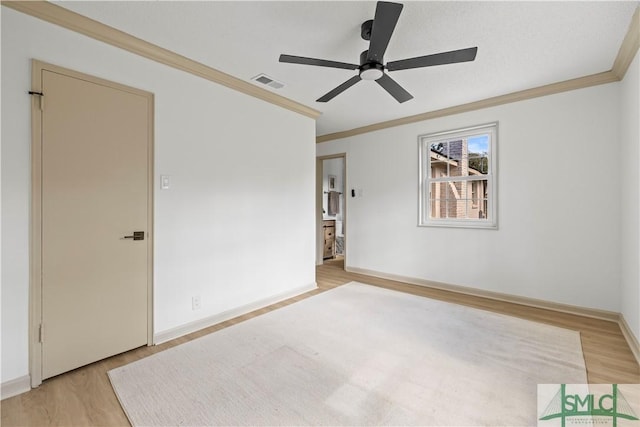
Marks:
<point>458,178</point>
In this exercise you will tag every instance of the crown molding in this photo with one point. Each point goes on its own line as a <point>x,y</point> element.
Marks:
<point>581,82</point>
<point>628,48</point>
<point>65,18</point>
<point>626,53</point>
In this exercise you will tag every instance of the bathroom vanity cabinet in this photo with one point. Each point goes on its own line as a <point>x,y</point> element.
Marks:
<point>329,226</point>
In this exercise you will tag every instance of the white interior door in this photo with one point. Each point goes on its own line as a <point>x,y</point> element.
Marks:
<point>95,191</point>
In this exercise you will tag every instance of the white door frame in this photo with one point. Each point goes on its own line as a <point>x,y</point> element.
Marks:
<point>35,246</point>
<point>319,229</point>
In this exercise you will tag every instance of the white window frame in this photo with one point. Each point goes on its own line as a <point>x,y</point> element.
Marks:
<point>424,156</point>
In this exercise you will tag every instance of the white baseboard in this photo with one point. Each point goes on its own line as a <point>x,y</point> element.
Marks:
<point>531,302</point>
<point>634,345</point>
<point>15,387</point>
<point>196,325</point>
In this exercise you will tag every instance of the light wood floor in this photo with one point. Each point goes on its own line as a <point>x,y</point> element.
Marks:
<point>85,397</point>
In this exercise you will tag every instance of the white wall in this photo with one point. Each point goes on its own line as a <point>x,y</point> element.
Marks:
<point>558,206</point>
<point>237,165</point>
<point>630,195</point>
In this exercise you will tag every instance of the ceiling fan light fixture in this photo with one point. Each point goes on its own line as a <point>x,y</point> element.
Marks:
<point>371,74</point>
<point>371,71</point>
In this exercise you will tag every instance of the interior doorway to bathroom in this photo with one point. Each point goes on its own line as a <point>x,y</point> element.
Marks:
<point>331,200</point>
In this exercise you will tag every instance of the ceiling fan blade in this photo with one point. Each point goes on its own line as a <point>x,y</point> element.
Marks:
<point>318,62</point>
<point>394,88</point>
<point>384,23</point>
<point>452,57</point>
<point>337,91</point>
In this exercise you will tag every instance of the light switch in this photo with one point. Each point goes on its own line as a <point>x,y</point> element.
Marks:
<point>165,182</point>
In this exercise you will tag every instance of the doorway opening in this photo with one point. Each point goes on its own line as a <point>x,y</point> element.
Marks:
<point>332,210</point>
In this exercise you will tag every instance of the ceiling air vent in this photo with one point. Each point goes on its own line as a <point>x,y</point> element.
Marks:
<point>267,81</point>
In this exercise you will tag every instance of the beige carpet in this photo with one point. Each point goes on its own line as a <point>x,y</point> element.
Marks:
<point>355,355</point>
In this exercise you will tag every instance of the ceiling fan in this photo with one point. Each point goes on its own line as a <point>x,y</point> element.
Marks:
<point>378,32</point>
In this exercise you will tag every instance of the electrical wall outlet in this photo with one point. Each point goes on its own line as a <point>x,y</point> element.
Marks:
<point>196,304</point>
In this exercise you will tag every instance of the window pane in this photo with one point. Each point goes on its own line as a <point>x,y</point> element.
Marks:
<point>458,199</point>
<point>478,149</point>
<point>438,152</point>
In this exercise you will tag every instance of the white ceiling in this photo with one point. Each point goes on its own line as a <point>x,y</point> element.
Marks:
<point>520,45</point>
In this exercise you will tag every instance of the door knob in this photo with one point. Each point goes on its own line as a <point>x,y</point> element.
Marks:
<point>137,235</point>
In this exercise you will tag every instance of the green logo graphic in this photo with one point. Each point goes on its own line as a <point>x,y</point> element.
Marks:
<point>564,406</point>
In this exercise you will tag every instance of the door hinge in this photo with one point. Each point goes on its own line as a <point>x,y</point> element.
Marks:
<point>41,333</point>
<point>40,96</point>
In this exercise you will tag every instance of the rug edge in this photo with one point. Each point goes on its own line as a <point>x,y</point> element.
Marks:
<point>115,391</point>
